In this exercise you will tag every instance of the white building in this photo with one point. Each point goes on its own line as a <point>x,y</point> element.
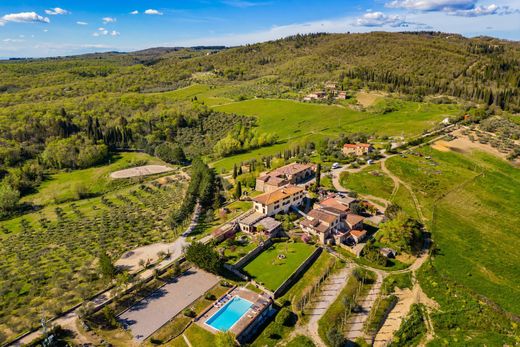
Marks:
<point>279,200</point>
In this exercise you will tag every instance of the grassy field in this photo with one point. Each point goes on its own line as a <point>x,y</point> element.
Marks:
<point>291,118</point>
<point>49,258</point>
<point>471,202</point>
<point>63,186</point>
<point>371,180</point>
<point>270,271</point>
<point>297,122</point>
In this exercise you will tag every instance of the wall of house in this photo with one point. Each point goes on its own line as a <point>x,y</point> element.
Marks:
<point>280,206</point>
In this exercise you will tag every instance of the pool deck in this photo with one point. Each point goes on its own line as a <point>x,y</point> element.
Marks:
<point>260,303</point>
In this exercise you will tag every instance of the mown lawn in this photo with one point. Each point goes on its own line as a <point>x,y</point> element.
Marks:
<point>62,186</point>
<point>270,271</point>
<point>471,202</point>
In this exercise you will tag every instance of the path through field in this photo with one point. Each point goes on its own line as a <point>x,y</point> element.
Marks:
<point>329,292</point>
<point>356,322</point>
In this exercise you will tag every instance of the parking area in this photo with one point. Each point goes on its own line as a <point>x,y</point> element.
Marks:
<point>149,314</point>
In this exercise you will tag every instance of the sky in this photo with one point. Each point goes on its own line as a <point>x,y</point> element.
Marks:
<point>42,28</point>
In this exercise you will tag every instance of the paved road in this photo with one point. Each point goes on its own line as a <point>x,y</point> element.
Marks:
<point>149,314</point>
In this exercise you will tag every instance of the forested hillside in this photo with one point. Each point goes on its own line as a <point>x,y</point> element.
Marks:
<point>71,112</point>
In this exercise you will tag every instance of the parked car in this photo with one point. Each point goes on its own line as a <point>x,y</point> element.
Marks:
<point>336,166</point>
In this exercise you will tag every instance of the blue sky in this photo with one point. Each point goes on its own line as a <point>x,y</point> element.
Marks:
<point>60,27</point>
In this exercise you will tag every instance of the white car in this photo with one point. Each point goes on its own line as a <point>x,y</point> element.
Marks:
<point>335,166</point>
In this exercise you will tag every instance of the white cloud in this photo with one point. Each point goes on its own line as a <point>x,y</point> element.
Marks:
<point>134,12</point>
<point>45,30</point>
<point>484,11</point>
<point>105,32</point>
<point>81,23</point>
<point>433,5</point>
<point>13,40</point>
<point>24,17</point>
<point>379,19</point>
<point>463,8</point>
<point>55,11</point>
<point>109,20</point>
<point>151,11</point>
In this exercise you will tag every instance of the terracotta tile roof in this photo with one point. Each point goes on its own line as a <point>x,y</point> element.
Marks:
<point>315,224</point>
<point>322,215</point>
<point>332,202</point>
<point>353,219</point>
<point>356,145</point>
<point>277,195</point>
<point>290,169</point>
<point>358,233</point>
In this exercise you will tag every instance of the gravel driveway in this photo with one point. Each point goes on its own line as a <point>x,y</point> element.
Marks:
<point>149,314</point>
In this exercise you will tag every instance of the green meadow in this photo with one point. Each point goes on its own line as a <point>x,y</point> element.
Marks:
<point>298,122</point>
<point>62,186</point>
<point>471,202</point>
<point>371,180</point>
<point>291,119</point>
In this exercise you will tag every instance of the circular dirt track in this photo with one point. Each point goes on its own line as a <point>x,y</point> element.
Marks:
<point>140,171</point>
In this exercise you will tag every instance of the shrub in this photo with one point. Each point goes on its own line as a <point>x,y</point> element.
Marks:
<point>284,317</point>
<point>188,312</point>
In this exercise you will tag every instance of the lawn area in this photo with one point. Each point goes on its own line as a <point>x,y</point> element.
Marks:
<point>300,341</point>
<point>371,181</point>
<point>270,271</point>
<point>235,248</point>
<point>476,198</point>
<point>62,186</point>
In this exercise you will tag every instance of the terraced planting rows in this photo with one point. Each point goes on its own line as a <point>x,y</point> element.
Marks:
<point>49,262</point>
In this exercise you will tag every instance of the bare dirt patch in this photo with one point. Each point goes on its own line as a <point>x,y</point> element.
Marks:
<point>130,260</point>
<point>140,171</point>
<point>367,99</point>
<point>462,144</point>
<point>406,298</point>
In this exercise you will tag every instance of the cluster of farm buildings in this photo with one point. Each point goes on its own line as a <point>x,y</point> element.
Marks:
<point>329,220</point>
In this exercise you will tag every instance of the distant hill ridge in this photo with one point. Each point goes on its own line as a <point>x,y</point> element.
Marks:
<point>481,69</point>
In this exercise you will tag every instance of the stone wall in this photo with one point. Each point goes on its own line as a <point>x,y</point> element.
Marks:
<point>297,273</point>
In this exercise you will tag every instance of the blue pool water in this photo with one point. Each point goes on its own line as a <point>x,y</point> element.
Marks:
<point>229,314</point>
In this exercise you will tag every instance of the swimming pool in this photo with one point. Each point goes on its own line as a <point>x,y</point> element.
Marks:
<point>229,314</point>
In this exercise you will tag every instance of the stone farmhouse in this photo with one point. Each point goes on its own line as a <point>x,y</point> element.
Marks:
<point>289,174</point>
<point>331,222</point>
<point>278,201</point>
<point>357,149</point>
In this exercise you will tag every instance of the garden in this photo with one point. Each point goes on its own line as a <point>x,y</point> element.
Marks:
<point>274,265</point>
